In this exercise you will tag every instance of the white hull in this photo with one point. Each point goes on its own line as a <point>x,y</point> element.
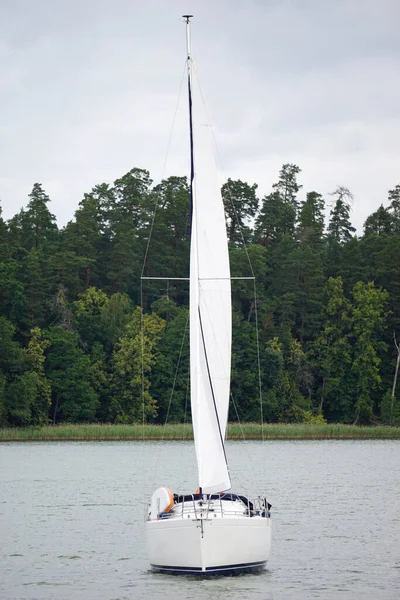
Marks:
<point>208,544</point>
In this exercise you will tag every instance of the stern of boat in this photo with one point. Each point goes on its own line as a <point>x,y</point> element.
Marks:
<point>209,538</point>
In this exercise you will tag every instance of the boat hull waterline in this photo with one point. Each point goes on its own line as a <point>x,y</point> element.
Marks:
<point>209,546</point>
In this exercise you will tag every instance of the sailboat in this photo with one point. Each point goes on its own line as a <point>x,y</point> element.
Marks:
<point>213,531</point>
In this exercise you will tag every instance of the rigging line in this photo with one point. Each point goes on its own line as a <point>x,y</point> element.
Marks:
<point>237,221</point>
<point>212,391</point>
<point>250,461</point>
<point>259,373</point>
<point>238,418</point>
<point>231,395</point>
<point>170,398</point>
<point>223,173</point>
<point>184,423</point>
<point>143,402</point>
<point>200,278</point>
<point>167,278</point>
<point>142,346</point>
<point>258,359</point>
<point>164,166</point>
<point>241,428</point>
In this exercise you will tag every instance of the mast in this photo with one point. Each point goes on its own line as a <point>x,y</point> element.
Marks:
<point>194,295</point>
<point>189,75</point>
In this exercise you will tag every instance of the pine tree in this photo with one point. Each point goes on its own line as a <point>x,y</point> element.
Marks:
<point>394,208</point>
<point>276,219</point>
<point>379,223</point>
<point>311,266</point>
<point>167,253</point>
<point>67,368</point>
<point>35,289</point>
<point>311,220</point>
<point>340,228</point>
<point>127,217</point>
<point>4,247</point>
<point>366,320</point>
<point>38,223</point>
<point>287,186</point>
<point>331,355</point>
<point>241,205</point>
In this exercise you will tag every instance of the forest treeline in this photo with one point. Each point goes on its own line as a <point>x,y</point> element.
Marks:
<point>328,306</point>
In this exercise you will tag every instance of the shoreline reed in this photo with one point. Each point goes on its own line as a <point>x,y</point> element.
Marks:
<point>180,431</point>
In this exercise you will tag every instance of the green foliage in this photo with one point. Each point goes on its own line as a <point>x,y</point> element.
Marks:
<point>128,212</point>
<point>394,208</point>
<point>295,414</point>
<point>4,249</point>
<point>12,293</point>
<point>85,238</point>
<point>249,262</point>
<point>172,366</point>
<point>134,355</point>
<point>366,321</point>
<point>380,222</point>
<point>311,219</point>
<point>287,186</point>
<point>331,354</point>
<point>11,353</point>
<point>24,390</point>
<point>184,431</point>
<point>390,409</point>
<point>169,248</point>
<point>241,204</point>
<point>100,377</point>
<point>3,406</point>
<point>88,311</point>
<point>276,219</point>
<point>68,369</point>
<point>272,368</point>
<point>39,225</point>
<point>328,303</point>
<point>34,287</point>
<point>39,384</point>
<point>340,229</point>
<point>115,315</point>
<point>245,387</point>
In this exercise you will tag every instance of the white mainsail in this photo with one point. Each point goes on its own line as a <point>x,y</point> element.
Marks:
<point>210,307</point>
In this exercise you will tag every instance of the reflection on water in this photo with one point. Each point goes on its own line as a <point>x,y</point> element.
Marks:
<point>71,517</point>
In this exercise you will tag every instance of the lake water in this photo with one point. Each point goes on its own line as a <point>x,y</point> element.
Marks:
<point>71,519</point>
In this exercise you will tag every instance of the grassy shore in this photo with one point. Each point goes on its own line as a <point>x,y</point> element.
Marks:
<point>276,431</point>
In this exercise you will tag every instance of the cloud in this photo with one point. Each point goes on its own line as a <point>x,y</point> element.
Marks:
<point>89,90</point>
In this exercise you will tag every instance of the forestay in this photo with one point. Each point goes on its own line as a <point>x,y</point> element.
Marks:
<point>210,307</point>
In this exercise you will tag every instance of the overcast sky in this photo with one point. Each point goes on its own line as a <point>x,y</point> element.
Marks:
<point>88,90</point>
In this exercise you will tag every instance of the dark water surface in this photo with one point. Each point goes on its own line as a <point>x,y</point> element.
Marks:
<point>71,519</point>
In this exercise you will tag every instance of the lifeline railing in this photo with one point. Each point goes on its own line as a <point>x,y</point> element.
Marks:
<point>201,508</point>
